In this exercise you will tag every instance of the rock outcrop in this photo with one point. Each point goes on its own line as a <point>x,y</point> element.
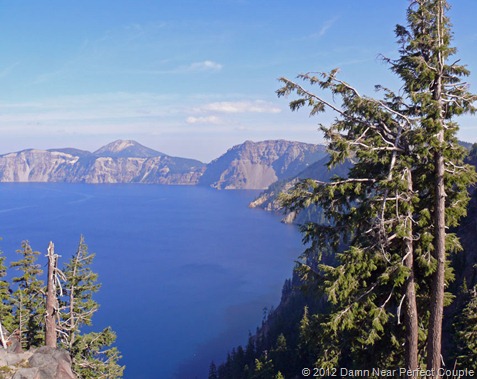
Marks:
<point>42,363</point>
<point>256,165</point>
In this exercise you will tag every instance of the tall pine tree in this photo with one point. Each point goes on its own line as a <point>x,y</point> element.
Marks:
<point>77,303</point>
<point>92,353</point>
<point>387,220</point>
<point>29,297</point>
<point>6,312</point>
<point>433,84</point>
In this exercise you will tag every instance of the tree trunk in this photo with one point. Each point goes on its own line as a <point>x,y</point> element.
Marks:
<point>410,315</point>
<point>72,320</point>
<point>50,324</point>
<point>434,336</point>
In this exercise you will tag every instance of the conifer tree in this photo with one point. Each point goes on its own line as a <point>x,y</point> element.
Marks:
<point>407,186</point>
<point>6,312</point>
<point>213,371</point>
<point>94,358</point>
<point>467,333</point>
<point>78,305</point>
<point>263,368</point>
<point>28,297</point>
<point>92,353</point>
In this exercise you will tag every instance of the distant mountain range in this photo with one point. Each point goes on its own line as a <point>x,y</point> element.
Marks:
<point>251,165</point>
<point>117,162</point>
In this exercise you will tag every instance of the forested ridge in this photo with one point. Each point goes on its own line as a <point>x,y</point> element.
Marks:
<point>390,268</point>
<point>33,314</point>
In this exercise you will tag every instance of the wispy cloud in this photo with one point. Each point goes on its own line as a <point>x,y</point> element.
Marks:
<point>205,66</point>
<point>325,27</point>
<point>72,70</point>
<point>7,70</point>
<point>49,76</point>
<point>257,106</point>
<point>202,66</point>
<point>90,114</point>
<point>203,120</point>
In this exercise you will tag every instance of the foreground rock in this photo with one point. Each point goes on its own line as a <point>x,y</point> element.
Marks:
<point>42,363</point>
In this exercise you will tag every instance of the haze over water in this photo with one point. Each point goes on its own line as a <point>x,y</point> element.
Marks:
<point>186,271</point>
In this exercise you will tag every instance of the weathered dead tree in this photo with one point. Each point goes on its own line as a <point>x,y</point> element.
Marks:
<point>51,299</point>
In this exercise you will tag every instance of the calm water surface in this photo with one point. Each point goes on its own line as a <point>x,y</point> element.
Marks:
<point>186,271</point>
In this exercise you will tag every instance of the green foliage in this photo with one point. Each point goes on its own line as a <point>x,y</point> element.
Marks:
<point>382,219</point>
<point>92,354</point>
<point>6,312</point>
<point>77,305</point>
<point>93,358</point>
<point>28,298</point>
<point>24,311</point>
<point>467,333</point>
<point>263,368</point>
<point>281,345</point>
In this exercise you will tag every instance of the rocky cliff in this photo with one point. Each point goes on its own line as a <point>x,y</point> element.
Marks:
<point>251,165</point>
<point>256,165</point>
<point>118,162</point>
<point>269,199</point>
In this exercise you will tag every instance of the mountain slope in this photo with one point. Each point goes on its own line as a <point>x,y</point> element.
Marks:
<point>256,165</point>
<point>268,199</point>
<point>109,164</point>
<point>126,149</point>
<point>251,165</point>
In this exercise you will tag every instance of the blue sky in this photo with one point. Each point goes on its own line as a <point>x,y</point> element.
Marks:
<point>189,77</point>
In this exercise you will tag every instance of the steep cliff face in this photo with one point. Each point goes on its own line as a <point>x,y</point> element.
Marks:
<point>118,162</point>
<point>269,199</point>
<point>35,166</point>
<point>256,165</point>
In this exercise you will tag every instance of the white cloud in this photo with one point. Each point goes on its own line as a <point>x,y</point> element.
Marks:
<point>324,28</point>
<point>258,106</point>
<point>203,120</point>
<point>327,25</point>
<point>205,66</point>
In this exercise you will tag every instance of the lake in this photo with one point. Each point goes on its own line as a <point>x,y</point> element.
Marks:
<point>186,272</point>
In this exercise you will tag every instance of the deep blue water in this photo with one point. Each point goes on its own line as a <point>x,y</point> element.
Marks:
<point>186,271</point>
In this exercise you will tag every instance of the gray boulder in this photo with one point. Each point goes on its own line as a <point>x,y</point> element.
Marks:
<point>42,363</point>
